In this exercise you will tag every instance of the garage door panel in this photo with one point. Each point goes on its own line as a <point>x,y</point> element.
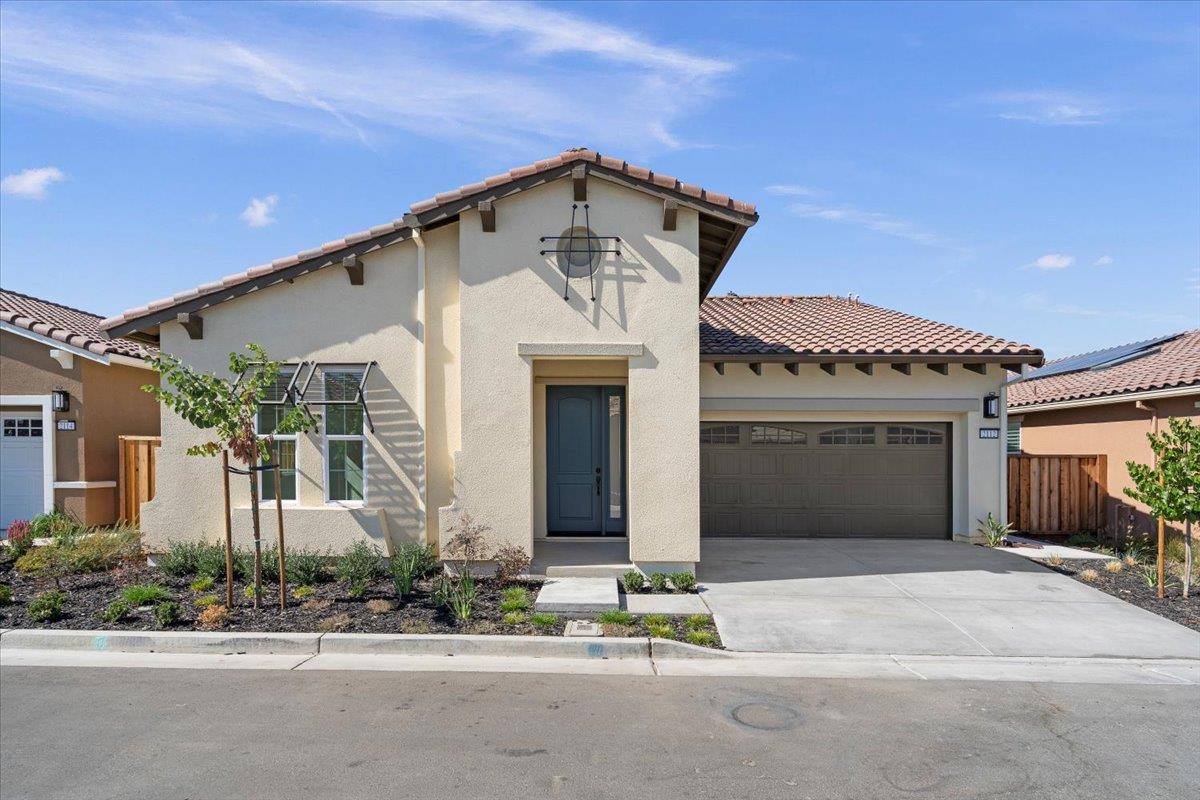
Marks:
<point>897,486</point>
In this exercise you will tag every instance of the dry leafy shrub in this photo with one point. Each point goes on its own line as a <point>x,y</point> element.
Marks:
<point>469,542</point>
<point>213,617</point>
<point>335,623</point>
<point>616,629</point>
<point>1089,575</point>
<point>414,626</point>
<point>511,563</point>
<point>1113,567</point>
<point>319,604</point>
<point>379,606</point>
<point>1055,561</point>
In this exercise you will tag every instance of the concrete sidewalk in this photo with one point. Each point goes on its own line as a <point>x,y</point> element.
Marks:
<point>936,598</point>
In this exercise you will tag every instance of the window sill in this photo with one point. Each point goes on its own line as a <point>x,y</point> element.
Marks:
<point>264,507</point>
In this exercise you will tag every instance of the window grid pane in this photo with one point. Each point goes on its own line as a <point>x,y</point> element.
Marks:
<point>862,435</point>
<point>720,434</point>
<point>346,470</point>
<point>902,435</point>
<point>773,434</point>
<point>286,449</point>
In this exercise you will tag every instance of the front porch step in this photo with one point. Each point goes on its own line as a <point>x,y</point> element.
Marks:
<point>586,570</point>
<point>578,595</point>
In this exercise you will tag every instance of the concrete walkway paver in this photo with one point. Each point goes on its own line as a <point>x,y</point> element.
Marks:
<point>890,597</point>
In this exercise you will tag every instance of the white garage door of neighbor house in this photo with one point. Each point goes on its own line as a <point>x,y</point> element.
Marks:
<point>21,483</point>
<point>853,479</point>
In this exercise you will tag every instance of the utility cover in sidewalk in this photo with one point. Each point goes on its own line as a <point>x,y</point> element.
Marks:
<point>575,595</point>
<point>582,627</point>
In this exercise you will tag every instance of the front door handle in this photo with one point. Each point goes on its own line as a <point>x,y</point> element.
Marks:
<point>597,483</point>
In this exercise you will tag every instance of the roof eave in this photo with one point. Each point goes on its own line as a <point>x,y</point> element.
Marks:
<point>877,358</point>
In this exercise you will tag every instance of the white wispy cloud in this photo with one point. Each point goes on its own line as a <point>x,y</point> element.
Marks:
<point>1040,303</point>
<point>871,220</point>
<point>424,79</point>
<point>1048,107</point>
<point>1053,261</point>
<point>260,212</point>
<point>1102,261</point>
<point>793,190</point>
<point>31,183</point>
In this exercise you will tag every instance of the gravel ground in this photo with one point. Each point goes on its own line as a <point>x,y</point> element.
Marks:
<point>1130,585</point>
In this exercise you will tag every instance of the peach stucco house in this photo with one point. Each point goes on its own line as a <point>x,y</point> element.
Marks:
<point>539,349</point>
<point>1105,403</point>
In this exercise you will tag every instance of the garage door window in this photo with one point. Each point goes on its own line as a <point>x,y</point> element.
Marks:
<point>902,435</point>
<point>23,428</point>
<point>864,435</point>
<point>773,434</point>
<point>720,434</point>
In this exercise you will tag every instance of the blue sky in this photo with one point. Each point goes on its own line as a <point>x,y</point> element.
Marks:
<point>1031,170</point>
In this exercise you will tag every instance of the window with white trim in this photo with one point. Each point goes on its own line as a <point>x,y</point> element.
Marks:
<point>345,440</point>
<point>284,446</point>
<point>1013,443</point>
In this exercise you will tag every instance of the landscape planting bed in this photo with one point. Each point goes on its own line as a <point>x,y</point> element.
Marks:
<point>1131,586</point>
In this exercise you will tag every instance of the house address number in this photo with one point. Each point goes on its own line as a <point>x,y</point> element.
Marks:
<point>989,433</point>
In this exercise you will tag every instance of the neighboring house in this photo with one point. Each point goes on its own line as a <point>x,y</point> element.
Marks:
<point>66,393</point>
<point>1105,403</point>
<point>594,407</point>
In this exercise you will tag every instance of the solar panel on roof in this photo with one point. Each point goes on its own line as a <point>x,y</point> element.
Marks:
<point>1099,358</point>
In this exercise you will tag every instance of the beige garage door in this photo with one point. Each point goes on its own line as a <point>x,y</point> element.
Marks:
<point>825,479</point>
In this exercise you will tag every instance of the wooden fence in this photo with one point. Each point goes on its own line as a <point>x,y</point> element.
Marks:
<point>135,477</point>
<point>1057,494</point>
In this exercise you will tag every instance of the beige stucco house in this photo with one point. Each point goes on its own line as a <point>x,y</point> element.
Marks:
<point>1105,402</point>
<point>539,349</point>
<point>66,394</point>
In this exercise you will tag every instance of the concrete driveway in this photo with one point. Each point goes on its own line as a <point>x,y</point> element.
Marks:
<point>918,598</point>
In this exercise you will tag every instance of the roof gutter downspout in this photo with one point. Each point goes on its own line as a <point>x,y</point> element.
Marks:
<point>421,388</point>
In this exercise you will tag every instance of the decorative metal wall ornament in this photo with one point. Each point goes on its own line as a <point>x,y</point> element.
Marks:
<point>578,244</point>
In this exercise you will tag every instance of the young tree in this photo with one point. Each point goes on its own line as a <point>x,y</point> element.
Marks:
<point>228,409</point>
<point>1171,487</point>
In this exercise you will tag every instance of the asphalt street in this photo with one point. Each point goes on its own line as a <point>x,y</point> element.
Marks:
<point>175,733</point>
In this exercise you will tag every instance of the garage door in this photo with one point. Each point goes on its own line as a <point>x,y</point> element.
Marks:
<point>825,479</point>
<point>21,484</point>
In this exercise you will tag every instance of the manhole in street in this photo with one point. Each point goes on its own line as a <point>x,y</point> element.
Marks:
<point>765,716</point>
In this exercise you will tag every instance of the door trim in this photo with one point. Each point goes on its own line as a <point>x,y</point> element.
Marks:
<point>41,401</point>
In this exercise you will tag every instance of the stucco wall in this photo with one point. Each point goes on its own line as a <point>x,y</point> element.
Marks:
<point>319,317</point>
<point>976,474</point>
<point>510,295</point>
<point>1117,430</point>
<point>27,368</point>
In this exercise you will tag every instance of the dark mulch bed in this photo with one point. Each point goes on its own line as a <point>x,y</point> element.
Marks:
<point>329,608</point>
<point>1130,585</point>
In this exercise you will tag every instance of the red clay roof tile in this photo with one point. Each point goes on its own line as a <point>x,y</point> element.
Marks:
<point>65,324</point>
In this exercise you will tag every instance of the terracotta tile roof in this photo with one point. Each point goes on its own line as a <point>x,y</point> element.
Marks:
<point>827,325</point>
<point>64,324</point>
<point>1166,365</point>
<point>565,158</point>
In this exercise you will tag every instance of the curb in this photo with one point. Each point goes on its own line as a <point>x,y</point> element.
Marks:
<point>669,648</point>
<point>161,641</point>
<point>587,647</point>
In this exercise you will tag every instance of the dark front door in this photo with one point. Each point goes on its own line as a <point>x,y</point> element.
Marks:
<point>585,448</point>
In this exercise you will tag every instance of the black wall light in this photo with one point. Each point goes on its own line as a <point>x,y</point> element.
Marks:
<point>60,400</point>
<point>991,406</point>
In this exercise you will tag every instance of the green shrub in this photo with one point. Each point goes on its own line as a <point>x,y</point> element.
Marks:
<point>167,613</point>
<point>442,586</point>
<point>210,561</point>
<point>516,598</point>
<point>658,582</point>
<point>57,525</point>
<point>249,591</point>
<point>544,621</point>
<point>202,584</point>
<point>698,622</point>
<point>615,617</point>
<point>633,581</point>
<point>243,564</point>
<point>516,618</point>
<point>179,559</point>
<point>410,563</point>
<point>307,567</point>
<point>701,638</point>
<point>145,594</point>
<point>303,592</point>
<point>116,611</point>
<point>992,531</point>
<point>462,597</point>
<point>683,581</point>
<point>5,594</point>
<point>270,564</point>
<point>661,631</point>
<point>47,607</point>
<point>358,565</point>
<point>651,620</point>
<point>35,561</point>
<point>204,601</point>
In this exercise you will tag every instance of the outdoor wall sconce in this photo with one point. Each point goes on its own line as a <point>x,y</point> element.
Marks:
<point>991,406</point>
<point>60,400</point>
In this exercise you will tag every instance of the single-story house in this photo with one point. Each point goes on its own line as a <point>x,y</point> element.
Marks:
<point>66,393</point>
<point>1106,402</point>
<point>527,349</point>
